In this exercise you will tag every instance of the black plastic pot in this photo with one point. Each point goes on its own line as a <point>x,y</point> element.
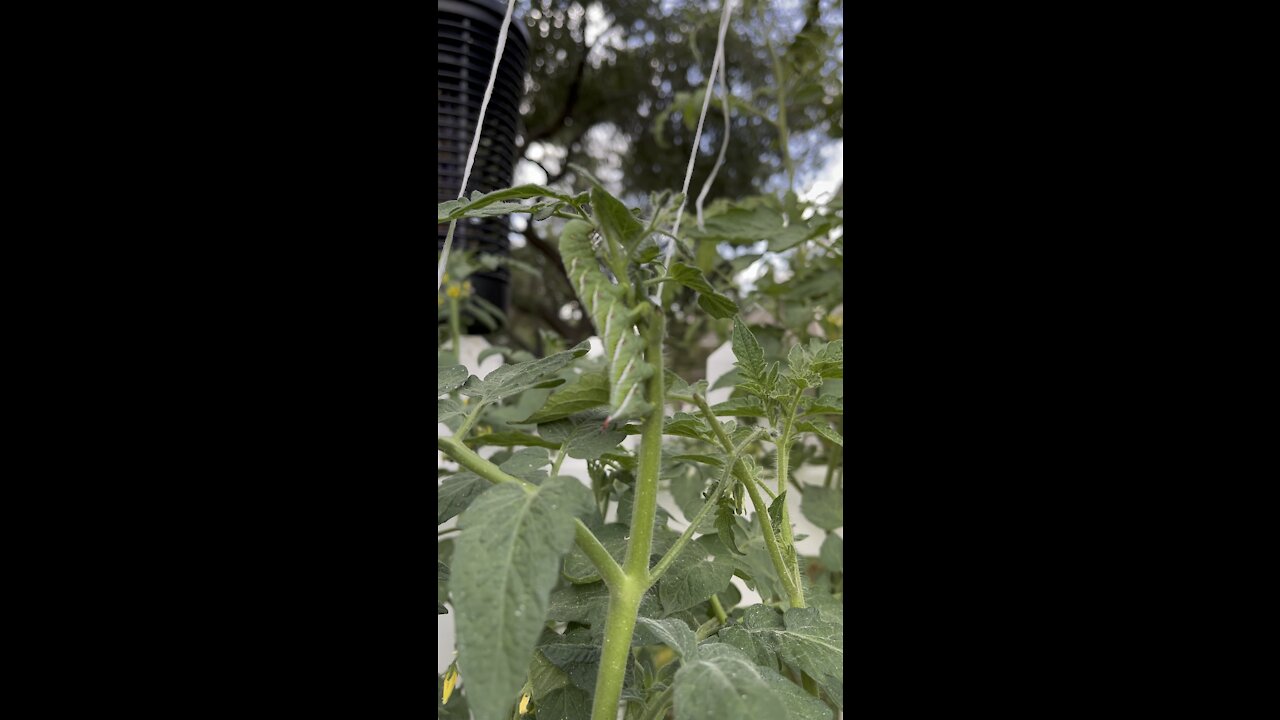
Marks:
<point>467,42</point>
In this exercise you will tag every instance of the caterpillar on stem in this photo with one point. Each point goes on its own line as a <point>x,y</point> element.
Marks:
<point>605,303</point>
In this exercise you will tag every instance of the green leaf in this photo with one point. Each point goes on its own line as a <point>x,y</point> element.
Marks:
<point>506,562</point>
<point>823,506</point>
<point>829,607</point>
<point>496,209</point>
<point>589,604</point>
<point>579,661</point>
<point>457,209</point>
<point>554,695</point>
<point>670,632</point>
<point>791,236</point>
<point>758,565</point>
<point>729,379</point>
<point>827,358</point>
<point>456,493</point>
<point>832,553</point>
<point>614,219</point>
<point>445,210</point>
<point>447,409</point>
<point>578,603</point>
<point>803,638</point>
<point>511,379</point>
<point>747,635</point>
<point>823,429</point>
<point>583,435</point>
<point>505,353</point>
<point>725,527</point>
<point>704,567</point>
<point>800,704</point>
<point>730,598</point>
<point>589,392</point>
<point>509,438</point>
<point>722,683</point>
<point>775,512</point>
<point>648,249</point>
<point>813,644</point>
<point>739,407</point>
<point>826,405</point>
<point>712,460</point>
<point>800,369</point>
<point>527,464</point>
<point>449,379</point>
<point>717,306</point>
<point>686,489</point>
<point>747,351</point>
<point>686,425</point>
<point>743,226</point>
<point>442,577</point>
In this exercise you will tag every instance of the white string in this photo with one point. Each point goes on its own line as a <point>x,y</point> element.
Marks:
<point>724,146</point>
<point>475,141</point>
<point>697,138</point>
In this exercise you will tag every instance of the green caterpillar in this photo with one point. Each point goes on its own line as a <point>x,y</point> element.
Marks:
<point>606,304</point>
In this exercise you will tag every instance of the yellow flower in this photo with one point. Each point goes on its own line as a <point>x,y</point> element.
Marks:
<point>466,286</point>
<point>450,679</point>
<point>524,704</point>
<point>444,277</point>
<point>453,291</point>
<point>439,300</point>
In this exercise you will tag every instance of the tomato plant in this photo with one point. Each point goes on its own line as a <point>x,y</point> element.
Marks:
<point>558,610</point>
<point>576,597</point>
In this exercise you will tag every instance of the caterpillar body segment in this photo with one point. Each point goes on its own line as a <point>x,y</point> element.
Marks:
<point>605,302</point>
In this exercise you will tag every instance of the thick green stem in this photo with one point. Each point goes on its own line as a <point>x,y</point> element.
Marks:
<point>789,581</point>
<point>624,606</point>
<point>586,540</point>
<point>650,464</point>
<point>625,595</point>
<point>784,467</point>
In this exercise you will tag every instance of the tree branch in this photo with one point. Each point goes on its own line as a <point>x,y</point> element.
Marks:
<point>571,100</point>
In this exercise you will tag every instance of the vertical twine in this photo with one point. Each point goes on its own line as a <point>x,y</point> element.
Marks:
<point>697,138</point>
